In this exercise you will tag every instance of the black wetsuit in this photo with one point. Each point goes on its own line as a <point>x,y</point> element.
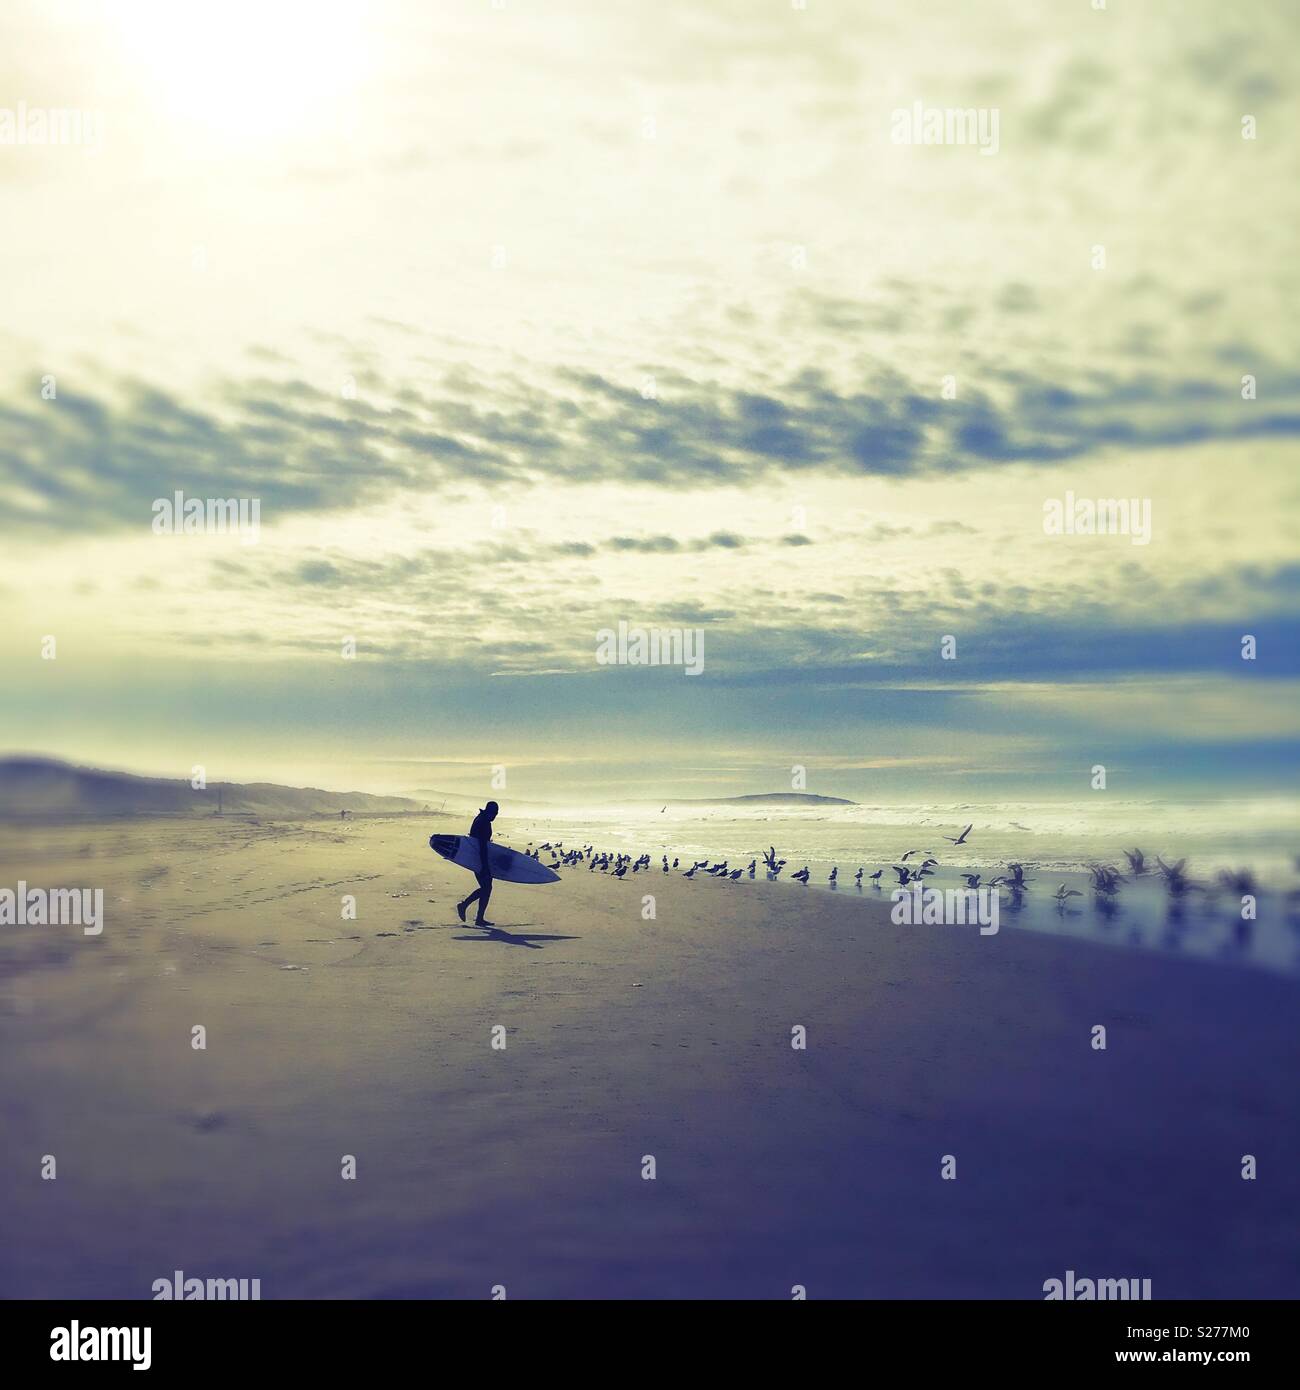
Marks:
<point>481,831</point>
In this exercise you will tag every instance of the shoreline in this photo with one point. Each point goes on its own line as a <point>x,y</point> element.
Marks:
<point>1139,917</point>
<point>624,1037</point>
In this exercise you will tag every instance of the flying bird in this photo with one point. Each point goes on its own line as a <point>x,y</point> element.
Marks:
<point>1176,881</point>
<point>1105,878</point>
<point>961,839</point>
<point>1238,880</point>
<point>1016,879</point>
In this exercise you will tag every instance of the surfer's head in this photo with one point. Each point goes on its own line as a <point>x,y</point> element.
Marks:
<point>490,810</point>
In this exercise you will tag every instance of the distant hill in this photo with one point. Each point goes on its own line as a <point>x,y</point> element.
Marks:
<point>46,788</point>
<point>765,798</point>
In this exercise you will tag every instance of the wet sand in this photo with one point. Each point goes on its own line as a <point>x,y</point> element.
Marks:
<point>625,1037</point>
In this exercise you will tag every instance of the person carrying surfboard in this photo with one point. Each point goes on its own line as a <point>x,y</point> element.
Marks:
<point>481,831</point>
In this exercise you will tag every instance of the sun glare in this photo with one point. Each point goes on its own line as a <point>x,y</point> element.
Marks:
<point>241,70</point>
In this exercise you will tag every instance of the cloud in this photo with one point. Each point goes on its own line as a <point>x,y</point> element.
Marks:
<point>96,462</point>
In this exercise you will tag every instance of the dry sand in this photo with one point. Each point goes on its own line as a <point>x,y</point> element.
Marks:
<point>625,1038</point>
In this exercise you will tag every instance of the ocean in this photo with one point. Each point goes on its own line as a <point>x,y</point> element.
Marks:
<point>1054,841</point>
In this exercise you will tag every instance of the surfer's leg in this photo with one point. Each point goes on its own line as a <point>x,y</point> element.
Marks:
<point>477,896</point>
<point>483,894</point>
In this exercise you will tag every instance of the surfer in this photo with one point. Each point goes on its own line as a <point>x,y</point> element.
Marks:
<point>481,831</point>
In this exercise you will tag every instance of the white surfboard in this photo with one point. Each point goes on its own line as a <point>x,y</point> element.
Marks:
<point>507,864</point>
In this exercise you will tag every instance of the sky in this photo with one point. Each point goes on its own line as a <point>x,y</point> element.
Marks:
<point>524,320</point>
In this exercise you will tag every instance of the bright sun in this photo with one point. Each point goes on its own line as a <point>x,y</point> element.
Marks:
<point>242,70</point>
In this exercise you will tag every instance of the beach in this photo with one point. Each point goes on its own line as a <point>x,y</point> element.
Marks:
<point>626,1037</point>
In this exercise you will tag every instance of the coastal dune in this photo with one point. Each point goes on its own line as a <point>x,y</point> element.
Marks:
<point>626,1038</point>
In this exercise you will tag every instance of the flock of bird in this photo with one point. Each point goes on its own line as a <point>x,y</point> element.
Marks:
<point>1106,878</point>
